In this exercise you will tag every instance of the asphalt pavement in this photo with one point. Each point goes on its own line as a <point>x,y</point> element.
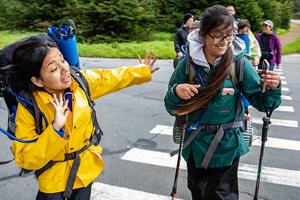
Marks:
<point>137,143</point>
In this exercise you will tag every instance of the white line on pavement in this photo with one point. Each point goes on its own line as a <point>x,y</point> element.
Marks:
<point>246,171</point>
<point>285,89</point>
<point>282,77</point>
<point>101,191</point>
<point>272,142</point>
<point>282,109</point>
<point>288,98</point>
<point>278,122</point>
<point>278,143</point>
<point>283,82</point>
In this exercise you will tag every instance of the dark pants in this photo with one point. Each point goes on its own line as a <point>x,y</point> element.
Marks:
<point>77,194</point>
<point>213,183</point>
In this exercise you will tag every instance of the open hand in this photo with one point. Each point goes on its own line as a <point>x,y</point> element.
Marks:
<point>149,60</point>
<point>61,111</point>
<point>186,91</point>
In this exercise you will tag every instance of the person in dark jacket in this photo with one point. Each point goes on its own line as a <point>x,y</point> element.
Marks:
<point>212,102</point>
<point>180,37</point>
<point>270,44</point>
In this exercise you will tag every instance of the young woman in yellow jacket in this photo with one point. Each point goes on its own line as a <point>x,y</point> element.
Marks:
<point>39,67</point>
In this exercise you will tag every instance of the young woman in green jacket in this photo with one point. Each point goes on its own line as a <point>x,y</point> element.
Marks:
<point>211,101</point>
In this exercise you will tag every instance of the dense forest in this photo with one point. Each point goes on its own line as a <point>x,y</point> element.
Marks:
<point>121,20</point>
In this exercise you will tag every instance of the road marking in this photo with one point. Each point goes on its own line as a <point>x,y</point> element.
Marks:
<point>283,82</point>
<point>281,108</point>
<point>246,171</point>
<point>285,89</point>
<point>282,77</point>
<point>288,98</point>
<point>272,142</point>
<point>278,70</point>
<point>277,122</point>
<point>162,129</point>
<point>285,109</point>
<point>278,143</point>
<point>101,191</point>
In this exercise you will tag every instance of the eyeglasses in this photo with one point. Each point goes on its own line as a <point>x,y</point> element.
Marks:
<point>219,39</point>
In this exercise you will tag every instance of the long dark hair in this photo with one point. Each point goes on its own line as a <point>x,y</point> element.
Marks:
<point>213,17</point>
<point>26,61</point>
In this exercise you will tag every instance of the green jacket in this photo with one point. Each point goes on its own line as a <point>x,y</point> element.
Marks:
<point>221,110</point>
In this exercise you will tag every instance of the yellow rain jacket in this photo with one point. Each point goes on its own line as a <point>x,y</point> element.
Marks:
<point>78,128</point>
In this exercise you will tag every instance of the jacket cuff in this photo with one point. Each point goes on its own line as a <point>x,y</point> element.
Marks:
<point>173,89</point>
<point>60,132</point>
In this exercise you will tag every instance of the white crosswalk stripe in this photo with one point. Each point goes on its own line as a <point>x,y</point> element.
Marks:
<point>101,191</point>
<point>281,108</point>
<point>282,77</point>
<point>278,122</point>
<point>285,89</point>
<point>283,82</point>
<point>246,171</point>
<point>272,142</point>
<point>288,98</point>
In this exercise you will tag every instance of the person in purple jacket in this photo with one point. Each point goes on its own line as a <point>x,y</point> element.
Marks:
<point>270,45</point>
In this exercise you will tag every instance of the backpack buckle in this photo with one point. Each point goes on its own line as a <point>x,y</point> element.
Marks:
<point>70,156</point>
<point>211,128</point>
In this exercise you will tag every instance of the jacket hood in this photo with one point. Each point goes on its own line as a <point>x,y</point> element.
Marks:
<point>196,48</point>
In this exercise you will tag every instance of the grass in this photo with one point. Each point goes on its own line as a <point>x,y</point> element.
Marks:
<point>292,48</point>
<point>162,49</point>
<point>162,46</point>
<point>8,37</point>
<point>281,31</point>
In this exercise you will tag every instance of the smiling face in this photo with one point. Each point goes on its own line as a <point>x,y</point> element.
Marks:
<point>217,41</point>
<point>55,73</point>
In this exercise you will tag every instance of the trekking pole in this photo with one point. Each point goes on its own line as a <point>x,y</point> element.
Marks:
<point>265,128</point>
<point>174,189</point>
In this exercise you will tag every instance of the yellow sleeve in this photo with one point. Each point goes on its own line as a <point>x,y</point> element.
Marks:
<point>105,81</point>
<point>33,156</point>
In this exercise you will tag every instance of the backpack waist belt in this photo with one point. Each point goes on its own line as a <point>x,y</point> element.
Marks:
<point>74,169</point>
<point>216,140</point>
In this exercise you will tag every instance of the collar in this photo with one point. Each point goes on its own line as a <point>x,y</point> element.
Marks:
<point>201,60</point>
<point>45,96</point>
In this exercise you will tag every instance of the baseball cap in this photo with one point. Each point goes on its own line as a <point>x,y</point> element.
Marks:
<point>269,23</point>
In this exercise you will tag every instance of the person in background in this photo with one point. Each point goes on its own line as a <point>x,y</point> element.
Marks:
<point>195,25</point>
<point>270,45</point>
<point>209,103</point>
<point>253,48</point>
<point>180,37</point>
<point>232,12</point>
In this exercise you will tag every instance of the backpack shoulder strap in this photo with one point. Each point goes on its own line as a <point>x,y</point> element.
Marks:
<point>81,80</point>
<point>239,72</point>
<point>28,101</point>
<point>189,69</point>
<point>239,69</point>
